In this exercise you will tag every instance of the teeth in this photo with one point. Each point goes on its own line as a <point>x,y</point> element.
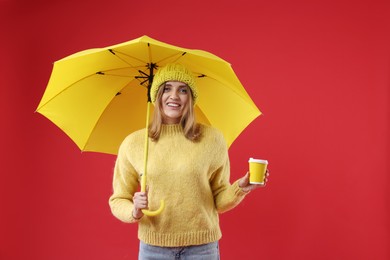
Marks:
<point>173,105</point>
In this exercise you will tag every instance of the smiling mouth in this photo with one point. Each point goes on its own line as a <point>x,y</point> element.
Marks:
<point>173,105</point>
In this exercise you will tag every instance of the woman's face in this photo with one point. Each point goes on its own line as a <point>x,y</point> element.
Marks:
<point>174,100</point>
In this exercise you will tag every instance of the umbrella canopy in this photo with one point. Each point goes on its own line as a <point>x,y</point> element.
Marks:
<point>98,96</point>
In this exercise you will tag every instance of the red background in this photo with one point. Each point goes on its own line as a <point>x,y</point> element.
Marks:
<point>318,70</point>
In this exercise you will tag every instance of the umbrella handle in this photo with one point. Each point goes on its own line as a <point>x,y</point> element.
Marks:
<point>143,178</point>
<point>151,213</point>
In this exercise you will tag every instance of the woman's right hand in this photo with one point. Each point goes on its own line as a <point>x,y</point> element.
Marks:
<point>140,200</point>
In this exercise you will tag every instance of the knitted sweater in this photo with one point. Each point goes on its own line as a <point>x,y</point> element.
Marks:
<point>191,177</point>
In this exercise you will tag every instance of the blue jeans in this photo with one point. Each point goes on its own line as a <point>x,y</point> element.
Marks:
<point>204,252</point>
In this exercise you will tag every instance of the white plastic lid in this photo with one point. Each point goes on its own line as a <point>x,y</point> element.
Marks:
<point>258,160</point>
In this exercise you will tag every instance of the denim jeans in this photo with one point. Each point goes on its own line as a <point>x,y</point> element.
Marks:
<point>202,252</point>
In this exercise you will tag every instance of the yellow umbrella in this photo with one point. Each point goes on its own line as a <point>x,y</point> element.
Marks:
<point>98,96</point>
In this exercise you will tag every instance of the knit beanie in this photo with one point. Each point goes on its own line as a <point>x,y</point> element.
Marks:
<point>173,72</point>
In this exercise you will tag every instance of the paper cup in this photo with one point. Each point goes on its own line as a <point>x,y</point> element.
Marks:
<point>257,169</point>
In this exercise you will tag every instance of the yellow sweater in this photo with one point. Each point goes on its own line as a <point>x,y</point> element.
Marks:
<point>192,178</point>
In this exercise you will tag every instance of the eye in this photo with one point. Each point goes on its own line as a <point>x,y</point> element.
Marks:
<point>167,88</point>
<point>183,90</point>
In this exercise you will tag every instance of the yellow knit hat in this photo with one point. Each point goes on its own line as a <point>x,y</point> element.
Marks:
<point>173,72</point>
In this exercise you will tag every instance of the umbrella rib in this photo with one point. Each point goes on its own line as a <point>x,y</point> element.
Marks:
<point>136,68</point>
<point>104,72</point>
<point>145,76</point>
<point>181,54</point>
<point>170,57</point>
<point>246,97</point>
<point>114,52</point>
<point>125,76</point>
<point>124,54</point>
<point>150,53</point>
<point>70,85</point>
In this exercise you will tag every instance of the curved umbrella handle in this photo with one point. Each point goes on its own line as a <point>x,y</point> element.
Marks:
<point>151,213</point>
<point>143,178</point>
<point>156,212</point>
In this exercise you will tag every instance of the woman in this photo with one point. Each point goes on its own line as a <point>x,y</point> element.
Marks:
<point>188,167</point>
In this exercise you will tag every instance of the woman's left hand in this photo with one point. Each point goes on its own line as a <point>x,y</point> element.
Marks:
<point>244,184</point>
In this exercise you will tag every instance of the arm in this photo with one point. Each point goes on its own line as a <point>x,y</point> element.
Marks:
<point>226,195</point>
<point>125,184</point>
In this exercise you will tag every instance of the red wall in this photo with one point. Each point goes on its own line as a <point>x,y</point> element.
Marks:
<point>318,71</point>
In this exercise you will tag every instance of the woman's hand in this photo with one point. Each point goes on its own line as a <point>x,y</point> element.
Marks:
<point>244,184</point>
<point>140,200</point>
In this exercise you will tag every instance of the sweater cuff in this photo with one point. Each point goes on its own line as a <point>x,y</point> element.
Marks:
<point>132,219</point>
<point>123,210</point>
<point>238,190</point>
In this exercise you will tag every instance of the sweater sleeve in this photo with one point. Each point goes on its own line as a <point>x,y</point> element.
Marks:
<point>226,195</point>
<point>125,184</point>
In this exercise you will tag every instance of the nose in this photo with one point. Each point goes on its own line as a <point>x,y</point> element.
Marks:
<point>174,95</point>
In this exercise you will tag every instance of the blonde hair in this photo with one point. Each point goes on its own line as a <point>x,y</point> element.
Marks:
<point>188,122</point>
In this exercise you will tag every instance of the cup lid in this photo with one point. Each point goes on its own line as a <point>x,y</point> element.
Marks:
<point>258,160</point>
